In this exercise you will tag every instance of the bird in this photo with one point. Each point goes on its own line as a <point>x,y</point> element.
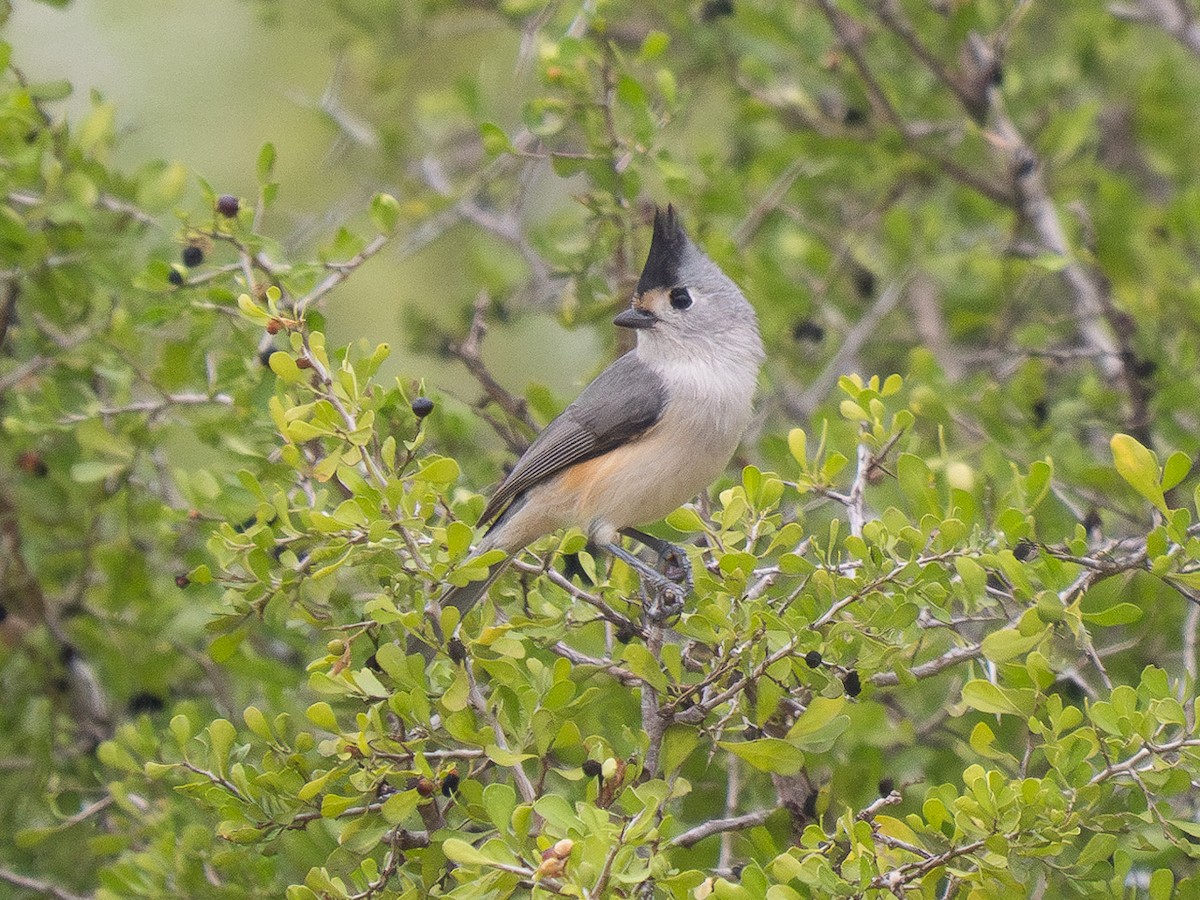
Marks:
<point>652,431</point>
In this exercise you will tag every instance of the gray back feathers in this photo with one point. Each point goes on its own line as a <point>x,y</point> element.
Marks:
<point>624,401</point>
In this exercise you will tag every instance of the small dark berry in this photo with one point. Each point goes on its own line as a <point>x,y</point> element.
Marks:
<point>192,256</point>
<point>1025,165</point>
<point>31,463</point>
<point>264,358</point>
<point>175,277</point>
<point>1025,550</point>
<point>274,326</point>
<point>1144,368</point>
<point>1040,410</point>
<point>813,658</point>
<point>997,74</point>
<point>425,787</point>
<point>421,407</point>
<point>853,684</point>
<point>886,786</point>
<point>67,653</point>
<point>145,703</point>
<point>625,634</point>
<point>864,282</point>
<point>854,116</point>
<point>450,784</point>
<point>3,612</point>
<point>716,9</point>
<point>303,363</point>
<point>808,330</point>
<point>1091,522</point>
<point>592,769</point>
<point>456,650</point>
<point>182,581</point>
<point>228,205</point>
<point>736,871</point>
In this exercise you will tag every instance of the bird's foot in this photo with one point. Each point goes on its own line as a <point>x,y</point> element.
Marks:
<point>677,567</point>
<point>664,595</point>
<point>673,562</point>
<point>668,601</point>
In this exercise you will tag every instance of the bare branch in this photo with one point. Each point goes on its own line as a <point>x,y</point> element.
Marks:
<point>843,359</point>
<point>469,353</point>
<point>154,407</point>
<point>1174,17</point>
<point>38,885</point>
<point>693,836</point>
<point>927,669</point>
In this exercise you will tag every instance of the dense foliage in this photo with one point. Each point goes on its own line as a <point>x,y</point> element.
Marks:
<point>943,639</point>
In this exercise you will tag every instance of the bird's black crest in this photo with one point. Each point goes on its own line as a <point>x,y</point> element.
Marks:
<point>666,252</point>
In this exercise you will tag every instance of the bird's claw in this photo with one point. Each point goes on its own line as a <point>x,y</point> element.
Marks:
<point>669,602</point>
<point>677,567</point>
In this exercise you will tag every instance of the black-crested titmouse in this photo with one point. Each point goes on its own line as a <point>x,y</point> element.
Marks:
<point>653,430</point>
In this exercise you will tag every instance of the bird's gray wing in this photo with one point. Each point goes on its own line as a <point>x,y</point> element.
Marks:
<point>624,401</point>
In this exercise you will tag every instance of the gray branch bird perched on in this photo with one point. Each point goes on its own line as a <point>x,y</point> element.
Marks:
<point>653,430</point>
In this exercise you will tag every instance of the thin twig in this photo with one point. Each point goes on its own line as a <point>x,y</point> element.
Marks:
<point>39,886</point>
<point>693,836</point>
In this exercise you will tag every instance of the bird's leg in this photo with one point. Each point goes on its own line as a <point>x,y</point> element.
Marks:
<point>674,560</point>
<point>669,595</point>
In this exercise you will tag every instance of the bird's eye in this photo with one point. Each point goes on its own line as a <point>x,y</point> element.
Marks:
<point>680,298</point>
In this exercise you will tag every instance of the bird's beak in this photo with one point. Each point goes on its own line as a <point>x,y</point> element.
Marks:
<point>636,317</point>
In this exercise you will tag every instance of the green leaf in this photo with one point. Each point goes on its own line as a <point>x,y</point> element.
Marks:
<point>1099,848</point>
<point>973,575</point>
<point>459,851</point>
<point>1138,467</point>
<point>1162,884</point>
<point>285,367</point>
<point>819,723</point>
<point>1117,614</point>
<point>1176,469</point>
<point>333,805</point>
<point>798,446</point>
<point>257,722</point>
<point>685,519</point>
<point>400,806</point>
<point>91,472</point>
<point>266,163</point>
<point>987,697</point>
<point>458,539</point>
<point>641,662</point>
<point>385,213</point>
<point>321,715</point>
<point>768,755</point>
<point>506,758</point>
<point>441,470</point>
<point>1007,643</point>
<point>495,140</point>
<point>252,311</point>
<point>221,735</point>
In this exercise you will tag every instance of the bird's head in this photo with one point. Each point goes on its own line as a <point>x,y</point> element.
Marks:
<point>684,306</point>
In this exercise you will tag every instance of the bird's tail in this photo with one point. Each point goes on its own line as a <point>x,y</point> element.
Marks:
<point>465,597</point>
<point>461,598</point>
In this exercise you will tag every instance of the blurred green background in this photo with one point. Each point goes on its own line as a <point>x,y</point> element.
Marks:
<point>207,84</point>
